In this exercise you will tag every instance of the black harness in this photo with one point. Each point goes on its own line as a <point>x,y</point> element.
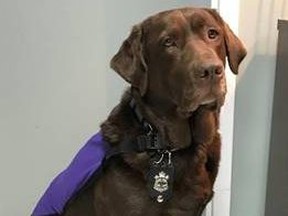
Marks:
<point>160,175</point>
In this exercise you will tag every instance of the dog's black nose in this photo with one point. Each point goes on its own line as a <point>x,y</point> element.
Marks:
<point>212,70</point>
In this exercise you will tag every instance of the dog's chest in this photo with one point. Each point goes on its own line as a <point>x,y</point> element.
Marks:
<point>127,191</point>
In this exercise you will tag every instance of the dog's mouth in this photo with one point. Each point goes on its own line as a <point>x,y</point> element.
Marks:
<point>211,102</point>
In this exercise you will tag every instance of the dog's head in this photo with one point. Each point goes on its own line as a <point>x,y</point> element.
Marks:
<point>178,56</point>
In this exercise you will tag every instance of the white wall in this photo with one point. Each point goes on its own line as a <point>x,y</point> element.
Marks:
<point>51,96</point>
<point>55,85</point>
<point>254,96</point>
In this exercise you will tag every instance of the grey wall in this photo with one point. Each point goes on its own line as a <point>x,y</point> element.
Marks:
<point>55,84</point>
<point>277,189</point>
<point>253,107</point>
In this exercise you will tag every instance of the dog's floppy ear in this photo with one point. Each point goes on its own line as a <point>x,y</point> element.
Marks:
<point>129,61</point>
<point>235,50</point>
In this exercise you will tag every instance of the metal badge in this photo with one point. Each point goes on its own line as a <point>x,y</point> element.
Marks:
<point>161,182</point>
<point>160,177</point>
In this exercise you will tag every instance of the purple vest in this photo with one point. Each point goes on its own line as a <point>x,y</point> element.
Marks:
<point>87,161</point>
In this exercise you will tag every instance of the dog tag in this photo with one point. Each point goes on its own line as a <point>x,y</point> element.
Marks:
<point>160,178</point>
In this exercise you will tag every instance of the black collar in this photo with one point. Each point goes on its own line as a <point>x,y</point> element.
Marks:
<point>150,141</point>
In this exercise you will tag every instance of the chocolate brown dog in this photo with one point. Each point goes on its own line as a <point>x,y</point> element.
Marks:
<point>175,63</point>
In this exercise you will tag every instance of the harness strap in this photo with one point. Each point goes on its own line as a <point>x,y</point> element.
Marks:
<point>142,143</point>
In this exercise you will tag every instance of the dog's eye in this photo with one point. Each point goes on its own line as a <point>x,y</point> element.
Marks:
<point>169,42</point>
<point>212,34</point>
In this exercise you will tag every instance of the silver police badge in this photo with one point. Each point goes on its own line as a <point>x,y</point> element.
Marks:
<point>161,182</point>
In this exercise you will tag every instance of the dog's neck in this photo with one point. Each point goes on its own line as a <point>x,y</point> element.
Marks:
<point>162,115</point>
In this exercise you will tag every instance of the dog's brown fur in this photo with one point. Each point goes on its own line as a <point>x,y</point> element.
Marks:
<point>176,71</point>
